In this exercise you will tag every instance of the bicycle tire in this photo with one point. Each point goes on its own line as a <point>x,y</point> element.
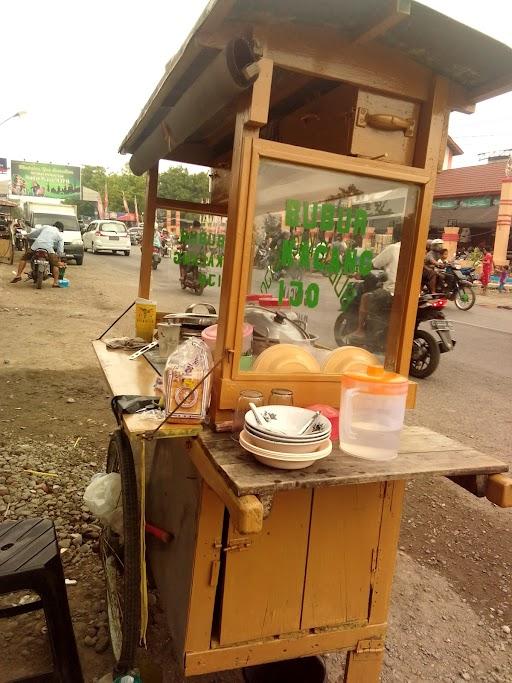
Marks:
<point>123,582</point>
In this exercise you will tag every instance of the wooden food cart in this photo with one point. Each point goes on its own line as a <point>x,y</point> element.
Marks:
<point>331,119</point>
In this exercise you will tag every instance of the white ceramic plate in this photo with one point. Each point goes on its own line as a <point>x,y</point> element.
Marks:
<point>276,438</point>
<point>284,461</point>
<point>291,448</point>
<point>287,421</point>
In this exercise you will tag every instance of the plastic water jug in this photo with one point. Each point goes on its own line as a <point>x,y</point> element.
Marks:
<point>372,413</point>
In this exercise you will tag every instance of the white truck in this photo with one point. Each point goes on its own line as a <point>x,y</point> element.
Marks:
<point>37,213</point>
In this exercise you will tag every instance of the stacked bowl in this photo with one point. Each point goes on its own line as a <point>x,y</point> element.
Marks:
<point>286,437</point>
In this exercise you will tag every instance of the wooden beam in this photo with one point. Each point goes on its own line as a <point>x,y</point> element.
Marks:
<point>326,54</point>
<point>246,512</point>
<point>287,646</point>
<point>493,89</point>
<point>258,114</point>
<point>192,207</point>
<point>148,233</point>
<point>412,251</point>
<point>398,10</point>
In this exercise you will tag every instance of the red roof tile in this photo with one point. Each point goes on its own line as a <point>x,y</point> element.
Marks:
<point>470,180</point>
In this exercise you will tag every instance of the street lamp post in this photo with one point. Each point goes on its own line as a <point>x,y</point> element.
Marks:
<point>17,115</point>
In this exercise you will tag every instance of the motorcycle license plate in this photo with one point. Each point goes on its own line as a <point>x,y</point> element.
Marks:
<point>114,238</point>
<point>38,262</point>
<point>440,325</point>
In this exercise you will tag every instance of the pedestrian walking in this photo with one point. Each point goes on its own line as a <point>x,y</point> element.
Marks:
<point>487,268</point>
<point>503,279</point>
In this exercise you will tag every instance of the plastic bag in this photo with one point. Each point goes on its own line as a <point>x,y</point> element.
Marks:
<point>103,495</point>
<point>184,369</point>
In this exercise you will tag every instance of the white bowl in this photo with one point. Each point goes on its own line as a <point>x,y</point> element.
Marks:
<point>287,421</point>
<point>277,438</point>
<point>284,461</point>
<point>280,447</point>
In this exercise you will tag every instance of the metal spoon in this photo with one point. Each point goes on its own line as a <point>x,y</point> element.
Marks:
<point>255,413</point>
<point>308,424</point>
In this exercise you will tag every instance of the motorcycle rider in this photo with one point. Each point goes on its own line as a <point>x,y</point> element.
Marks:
<point>380,297</point>
<point>432,258</point>
<point>50,238</point>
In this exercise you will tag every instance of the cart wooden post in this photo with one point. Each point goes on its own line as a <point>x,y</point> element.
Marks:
<point>332,122</point>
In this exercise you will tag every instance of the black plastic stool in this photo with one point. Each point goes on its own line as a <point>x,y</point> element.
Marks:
<point>30,560</point>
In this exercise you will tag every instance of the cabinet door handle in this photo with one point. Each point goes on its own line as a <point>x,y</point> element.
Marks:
<point>385,122</point>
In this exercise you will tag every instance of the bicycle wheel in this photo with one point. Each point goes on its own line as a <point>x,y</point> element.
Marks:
<point>120,554</point>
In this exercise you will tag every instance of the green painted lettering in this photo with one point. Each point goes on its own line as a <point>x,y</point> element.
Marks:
<point>327,217</point>
<point>292,213</point>
<point>344,219</point>
<point>286,255</point>
<point>309,221</point>
<point>349,262</point>
<point>312,295</point>
<point>210,263</point>
<point>360,222</point>
<point>334,265</point>
<point>296,292</point>
<point>220,261</point>
<point>319,257</point>
<point>220,241</point>
<point>304,256</point>
<point>365,262</point>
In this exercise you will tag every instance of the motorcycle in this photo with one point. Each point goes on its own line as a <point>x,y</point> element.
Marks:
<point>40,267</point>
<point>427,346</point>
<point>156,258</point>
<point>456,286</point>
<point>192,277</point>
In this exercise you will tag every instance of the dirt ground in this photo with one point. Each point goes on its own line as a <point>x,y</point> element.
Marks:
<point>452,603</point>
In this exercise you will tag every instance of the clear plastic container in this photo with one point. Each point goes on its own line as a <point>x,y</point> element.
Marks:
<point>372,412</point>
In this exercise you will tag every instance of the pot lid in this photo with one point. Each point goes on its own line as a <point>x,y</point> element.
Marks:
<point>273,325</point>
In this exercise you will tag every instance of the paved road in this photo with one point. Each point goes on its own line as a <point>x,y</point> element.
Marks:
<point>468,398</point>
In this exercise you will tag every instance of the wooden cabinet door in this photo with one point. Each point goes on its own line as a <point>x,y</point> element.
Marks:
<point>264,573</point>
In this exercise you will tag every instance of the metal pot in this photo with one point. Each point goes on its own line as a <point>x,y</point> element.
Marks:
<point>192,324</point>
<point>274,327</point>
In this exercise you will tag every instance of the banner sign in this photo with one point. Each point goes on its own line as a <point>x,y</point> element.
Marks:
<point>3,165</point>
<point>33,179</point>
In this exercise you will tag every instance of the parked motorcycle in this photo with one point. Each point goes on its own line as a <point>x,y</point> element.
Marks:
<point>456,286</point>
<point>156,258</point>
<point>427,346</point>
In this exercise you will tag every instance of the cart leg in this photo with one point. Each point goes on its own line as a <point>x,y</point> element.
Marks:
<point>364,666</point>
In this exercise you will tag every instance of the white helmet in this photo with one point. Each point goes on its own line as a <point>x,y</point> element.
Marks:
<point>437,245</point>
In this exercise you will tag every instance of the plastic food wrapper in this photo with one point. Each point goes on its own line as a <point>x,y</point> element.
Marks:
<point>103,497</point>
<point>186,367</point>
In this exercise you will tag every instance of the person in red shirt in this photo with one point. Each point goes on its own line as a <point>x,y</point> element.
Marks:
<point>487,268</point>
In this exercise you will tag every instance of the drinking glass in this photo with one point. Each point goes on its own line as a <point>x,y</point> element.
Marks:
<point>247,396</point>
<point>281,397</point>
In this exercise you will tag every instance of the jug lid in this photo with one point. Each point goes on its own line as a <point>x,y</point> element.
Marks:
<point>377,374</point>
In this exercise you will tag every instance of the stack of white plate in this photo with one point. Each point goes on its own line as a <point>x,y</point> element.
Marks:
<point>274,437</point>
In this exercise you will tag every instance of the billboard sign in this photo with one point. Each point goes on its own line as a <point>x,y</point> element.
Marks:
<point>32,179</point>
<point>3,165</point>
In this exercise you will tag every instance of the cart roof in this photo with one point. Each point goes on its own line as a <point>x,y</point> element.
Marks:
<point>472,60</point>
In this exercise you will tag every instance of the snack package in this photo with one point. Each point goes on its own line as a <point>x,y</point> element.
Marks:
<point>186,367</point>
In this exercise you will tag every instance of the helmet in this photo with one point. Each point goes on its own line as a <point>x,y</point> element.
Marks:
<point>437,245</point>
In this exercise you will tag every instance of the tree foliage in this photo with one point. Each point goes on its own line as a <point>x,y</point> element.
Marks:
<point>174,183</point>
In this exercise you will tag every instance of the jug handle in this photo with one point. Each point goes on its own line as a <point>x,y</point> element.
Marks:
<point>347,411</point>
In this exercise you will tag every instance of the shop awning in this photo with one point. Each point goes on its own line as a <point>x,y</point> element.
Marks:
<point>465,217</point>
